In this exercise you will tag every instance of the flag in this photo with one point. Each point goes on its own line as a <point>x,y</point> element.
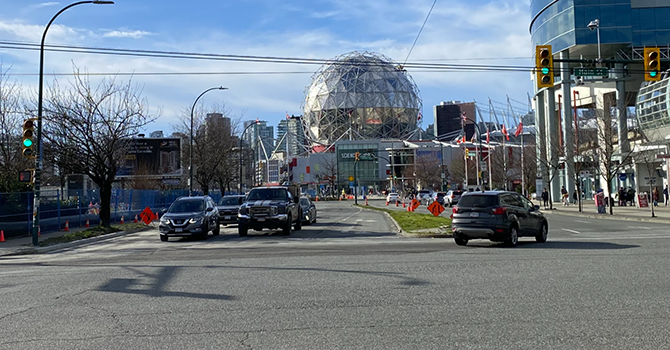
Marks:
<point>487,136</point>
<point>519,129</point>
<point>464,119</point>
<point>287,117</point>
<point>474,138</point>
<point>419,117</point>
<point>504,132</point>
<point>461,139</point>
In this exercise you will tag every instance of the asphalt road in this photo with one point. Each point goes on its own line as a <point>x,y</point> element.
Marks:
<point>346,282</point>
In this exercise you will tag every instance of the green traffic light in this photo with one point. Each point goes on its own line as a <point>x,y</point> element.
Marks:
<point>27,143</point>
<point>653,74</point>
<point>545,70</point>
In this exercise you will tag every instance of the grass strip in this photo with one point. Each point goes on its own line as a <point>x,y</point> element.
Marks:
<point>413,221</point>
<point>92,232</point>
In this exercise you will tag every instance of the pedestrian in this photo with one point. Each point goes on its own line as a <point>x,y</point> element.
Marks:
<point>654,196</point>
<point>564,196</point>
<point>665,194</point>
<point>631,196</point>
<point>622,197</point>
<point>545,197</point>
<point>574,196</point>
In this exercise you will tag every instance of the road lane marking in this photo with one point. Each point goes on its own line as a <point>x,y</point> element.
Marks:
<point>573,231</point>
<point>583,222</point>
<point>640,227</point>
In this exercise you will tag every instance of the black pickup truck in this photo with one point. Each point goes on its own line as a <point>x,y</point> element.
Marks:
<point>270,207</point>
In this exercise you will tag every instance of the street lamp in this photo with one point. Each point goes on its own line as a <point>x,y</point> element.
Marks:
<point>38,157</point>
<point>190,164</point>
<point>241,137</point>
<point>595,25</point>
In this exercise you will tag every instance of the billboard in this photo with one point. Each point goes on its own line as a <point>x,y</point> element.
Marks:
<point>152,157</point>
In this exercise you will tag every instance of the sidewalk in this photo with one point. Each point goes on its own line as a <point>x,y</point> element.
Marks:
<point>661,213</point>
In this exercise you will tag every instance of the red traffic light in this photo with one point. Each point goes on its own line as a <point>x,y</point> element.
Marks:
<point>28,124</point>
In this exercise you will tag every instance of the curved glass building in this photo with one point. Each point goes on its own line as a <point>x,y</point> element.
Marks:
<point>360,96</point>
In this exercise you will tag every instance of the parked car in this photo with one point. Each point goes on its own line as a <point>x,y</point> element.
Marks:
<point>393,197</point>
<point>270,207</point>
<point>228,207</point>
<point>439,197</point>
<point>499,216</point>
<point>308,211</point>
<point>452,197</point>
<point>190,216</point>
<point>425,196</point>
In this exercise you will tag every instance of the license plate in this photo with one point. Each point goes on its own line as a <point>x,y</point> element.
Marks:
<point>474,214</point>
<point>227,218</point>
<point>178,229</point>
<point>261,219</point>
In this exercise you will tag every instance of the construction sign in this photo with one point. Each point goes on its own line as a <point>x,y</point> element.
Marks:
<point>147,215</point>
<point>436,208</point>
<point>415,204</point>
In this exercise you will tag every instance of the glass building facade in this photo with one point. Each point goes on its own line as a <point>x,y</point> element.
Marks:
<point>653,104</point>
<point>563,23</point>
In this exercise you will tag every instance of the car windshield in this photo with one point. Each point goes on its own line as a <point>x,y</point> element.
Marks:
<point>187,206</point>
<point>304,202</point>
<point>265,194</point>
<point>229,201</point>
<point>481,201</point>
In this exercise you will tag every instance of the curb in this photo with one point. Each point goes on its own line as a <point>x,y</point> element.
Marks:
<point>611,217</point>
<point>405,234</point>
<point>55,247</point>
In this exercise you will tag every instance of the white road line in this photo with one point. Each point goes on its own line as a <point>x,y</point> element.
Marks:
<point>640,227</point>
<point>583,222</point>
<point>573,231</point>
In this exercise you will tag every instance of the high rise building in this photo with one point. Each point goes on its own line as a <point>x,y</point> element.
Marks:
<point>260,137</point>
<point>217,119</point>
<point>448,117</point>
<point>296,136</point>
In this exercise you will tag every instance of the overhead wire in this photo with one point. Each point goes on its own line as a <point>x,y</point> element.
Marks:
<point>420,30</point>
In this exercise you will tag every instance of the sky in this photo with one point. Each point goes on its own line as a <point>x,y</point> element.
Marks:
<point>481,32</point>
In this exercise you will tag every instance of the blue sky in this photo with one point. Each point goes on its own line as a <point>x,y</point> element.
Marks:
<point>458,31</point>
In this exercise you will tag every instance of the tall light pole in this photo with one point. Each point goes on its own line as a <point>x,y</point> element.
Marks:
<point>239,185</point>
<point>595,24</point>
<point>190,163</point>
<point>38,157</point>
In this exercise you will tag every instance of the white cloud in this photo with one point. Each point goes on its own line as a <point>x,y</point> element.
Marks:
<point>135,34</point>
<point>45,4</point>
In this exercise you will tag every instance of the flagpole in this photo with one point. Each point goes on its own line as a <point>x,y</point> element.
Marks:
<point>504,158</point>
<point>465,150</point>
<point>523,181</point>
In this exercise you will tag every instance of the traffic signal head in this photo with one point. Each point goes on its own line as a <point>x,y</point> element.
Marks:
<point>652,64</point>
<point>544,66</point>
<point>28,138</point>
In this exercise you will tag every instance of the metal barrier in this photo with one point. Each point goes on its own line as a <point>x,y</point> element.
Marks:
<point>77,206</point>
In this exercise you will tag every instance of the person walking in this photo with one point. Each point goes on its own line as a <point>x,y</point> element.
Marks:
<point>622,197</point>
<point>574,197</point>
<point>545,197</point>
<point>564,196</point>
<point>654,196</point>
<point>665,194</point>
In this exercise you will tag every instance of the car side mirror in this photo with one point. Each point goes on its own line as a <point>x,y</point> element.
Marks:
<point>210,209</point>
<point>164,210</point>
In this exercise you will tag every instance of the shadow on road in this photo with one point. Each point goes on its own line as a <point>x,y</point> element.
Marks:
<point>555,245</point>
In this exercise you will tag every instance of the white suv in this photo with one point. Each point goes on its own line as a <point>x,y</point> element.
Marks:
<point>452,197</point>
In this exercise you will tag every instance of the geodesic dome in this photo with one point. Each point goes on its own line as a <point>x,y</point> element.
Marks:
<point>364,94</point>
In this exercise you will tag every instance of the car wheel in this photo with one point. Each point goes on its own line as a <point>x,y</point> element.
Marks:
<point>286,230</point>
<point>298,223</point>
<point>513,237</point>
<point>242,230</point>
<point>217,229</point>
<point>460,241</point>
<point>542,236</point>
<point>164,238</point>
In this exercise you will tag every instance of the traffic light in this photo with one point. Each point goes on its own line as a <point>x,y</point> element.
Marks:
<point>357,156</point>
<point>544,66</point>
<point>28,138</point>
<point>652,64</point>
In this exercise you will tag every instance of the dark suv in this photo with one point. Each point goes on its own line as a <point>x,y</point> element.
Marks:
<point>190,216</point>
<point>270,207</point>
<point>499,216</point>
<point>228,207</point>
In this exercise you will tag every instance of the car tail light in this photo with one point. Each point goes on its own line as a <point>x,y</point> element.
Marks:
<point>500,230</point>
<point>454,210</point>
<point>498,210</point>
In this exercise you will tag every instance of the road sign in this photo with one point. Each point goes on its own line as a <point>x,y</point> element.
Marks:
<point>594,72</point>
<point>622,177</point>
<point>351,178</point>
<point>415,204</point>
<point>436,208</point>
<point>147,215</point>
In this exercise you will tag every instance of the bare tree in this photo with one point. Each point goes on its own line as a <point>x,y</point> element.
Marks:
<point>427,171</point>
<point>92,126</point>
<point>11,121</point>
<point>328,172</point>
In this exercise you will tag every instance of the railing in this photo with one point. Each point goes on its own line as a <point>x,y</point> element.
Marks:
<point>76,206</point>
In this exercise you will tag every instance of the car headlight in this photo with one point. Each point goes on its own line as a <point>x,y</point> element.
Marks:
<point>243,210</point>
<point>274,211</point>
<point>194,220</point>
<point>165,220</point>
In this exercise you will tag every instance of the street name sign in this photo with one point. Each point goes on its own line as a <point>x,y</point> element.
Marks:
<point>595,72</point>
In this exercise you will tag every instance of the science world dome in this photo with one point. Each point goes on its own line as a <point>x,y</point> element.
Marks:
<point>360,96</point>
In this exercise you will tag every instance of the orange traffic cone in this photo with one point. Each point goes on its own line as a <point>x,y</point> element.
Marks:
<point>403,204</point>
<point>396,203</point>
<point>121,219</point>
<point>87,223</point>
<point>135,221</point>
<point>67,226</point>
<point>387,203</point>
<point>39,231</point>
<point>317,198</point>
<point>366,200</point>
<point>2,236</point>
<point>409,208</point>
